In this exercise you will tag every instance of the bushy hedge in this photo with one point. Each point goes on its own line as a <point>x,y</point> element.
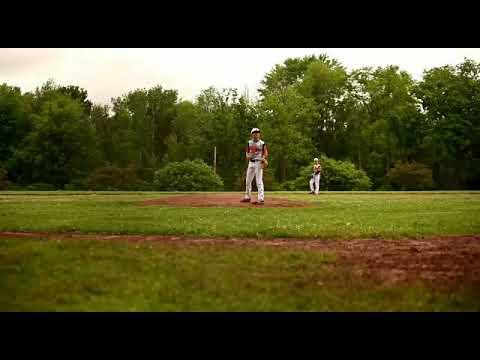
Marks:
<point>112,178</point>
<point>187,175</point>
<point>336,175</point>
<point>410,176</point>
<point>76,185</point>
<point>41,187</point>
<point>4,183</point>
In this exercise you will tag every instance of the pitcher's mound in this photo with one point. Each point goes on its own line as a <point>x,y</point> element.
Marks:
<point>221,200</point>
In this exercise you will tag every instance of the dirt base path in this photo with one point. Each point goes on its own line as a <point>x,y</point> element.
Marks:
<point>220,200</point>
<point>446,261</point>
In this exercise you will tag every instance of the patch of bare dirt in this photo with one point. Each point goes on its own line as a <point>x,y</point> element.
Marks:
<point>220,200</point>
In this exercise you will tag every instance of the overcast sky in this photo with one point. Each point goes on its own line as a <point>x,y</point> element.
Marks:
<point>107,73</point>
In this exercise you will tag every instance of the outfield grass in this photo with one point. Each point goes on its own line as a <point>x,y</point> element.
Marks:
<point>332,215</point>
<point>82,275</point>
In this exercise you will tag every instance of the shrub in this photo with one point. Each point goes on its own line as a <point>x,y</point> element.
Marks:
<point>146,174</point>
<point>113,178</point>
<point>385,187</point>
<point>145,186</point>
<point>291,186</point>
<point>15,187</point>
<point>336,175</point>
<point>410,176</point>
<point>187,175</point>
<point>4,183</point>
<point>75,185</point>
<point>41,187</point>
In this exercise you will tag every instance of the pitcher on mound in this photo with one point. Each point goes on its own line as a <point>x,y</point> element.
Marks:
<point>256,153</point>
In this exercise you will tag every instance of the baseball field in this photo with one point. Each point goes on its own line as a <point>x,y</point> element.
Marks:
<point>148,251</point>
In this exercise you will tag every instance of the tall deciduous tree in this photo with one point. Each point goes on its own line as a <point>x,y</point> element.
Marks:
<point>147,116</point>
<point>61,145</point>
<point>450,98</point>
<point>14,120</point>
<point>287,118</point>
<point>325,82</point>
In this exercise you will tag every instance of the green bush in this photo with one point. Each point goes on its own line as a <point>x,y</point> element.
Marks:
<point>410,176</point>
<point>41,187</point>
<point>113,178</point>
<point>336,176</point>
<point>16,187</point>
<point>385,187</point>
<point>4,183</point>
<point>146,174</point>
<point>75,185</point>
<point>187,176</point>
<point>292,185</point>
<point>145,186</point>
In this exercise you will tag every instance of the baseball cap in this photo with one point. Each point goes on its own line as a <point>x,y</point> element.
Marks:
<point>254,130</point>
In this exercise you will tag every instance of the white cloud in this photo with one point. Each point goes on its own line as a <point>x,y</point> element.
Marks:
<point>108,73</point>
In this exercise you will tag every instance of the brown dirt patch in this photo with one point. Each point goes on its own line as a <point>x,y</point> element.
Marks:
<point>220,200</point>
<point>443,262</point>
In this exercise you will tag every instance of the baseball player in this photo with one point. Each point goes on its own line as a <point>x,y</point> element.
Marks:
<point>317,169</point>
<point>256,152</point>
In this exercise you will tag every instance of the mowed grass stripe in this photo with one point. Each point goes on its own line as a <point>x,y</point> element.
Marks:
<point>331,215</point>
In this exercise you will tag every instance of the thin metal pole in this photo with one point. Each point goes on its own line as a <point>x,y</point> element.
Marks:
<point>215,160</point>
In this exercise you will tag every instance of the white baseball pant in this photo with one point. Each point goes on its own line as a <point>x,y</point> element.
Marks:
<point>254,170</point>
<point>315,179</point>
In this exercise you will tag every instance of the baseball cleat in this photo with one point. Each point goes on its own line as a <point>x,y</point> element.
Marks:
<point>259,203</point>
<point>245,200</point>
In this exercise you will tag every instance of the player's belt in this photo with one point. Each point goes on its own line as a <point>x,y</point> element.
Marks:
<point>254,160</point>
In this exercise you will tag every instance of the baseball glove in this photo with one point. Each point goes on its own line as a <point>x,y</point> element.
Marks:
<point>264,163</point>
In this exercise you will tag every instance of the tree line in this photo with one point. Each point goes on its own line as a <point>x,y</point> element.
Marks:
<point>379,119</point>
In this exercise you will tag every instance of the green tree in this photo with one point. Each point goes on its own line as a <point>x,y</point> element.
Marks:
<point>450,99</point>
<point>286,117</point>
<point>104,131</point>
<point>387,125</point>
<point>79,94</point>
<point>183,142</point>
<point>325,82</point>
<point>286,74</point>
<point>146,117</point>
<point>223,120</point>
<point>61,145</point>
<point>14,120</point>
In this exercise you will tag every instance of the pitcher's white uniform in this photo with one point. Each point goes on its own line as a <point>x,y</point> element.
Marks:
<point>315,179</point>
<point>258,150</point>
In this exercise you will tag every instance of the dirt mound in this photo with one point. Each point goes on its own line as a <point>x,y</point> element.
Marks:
<point>220,200</point>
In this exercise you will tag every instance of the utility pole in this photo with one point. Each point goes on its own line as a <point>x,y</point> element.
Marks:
<point>215,160</point>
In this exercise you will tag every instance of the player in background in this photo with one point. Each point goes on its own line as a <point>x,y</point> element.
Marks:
<point>317,169</point>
